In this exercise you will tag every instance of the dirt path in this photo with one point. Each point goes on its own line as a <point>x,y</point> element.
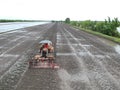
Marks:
<point>87,62</point>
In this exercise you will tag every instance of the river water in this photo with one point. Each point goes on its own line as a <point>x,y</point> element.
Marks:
<point>17,25</point>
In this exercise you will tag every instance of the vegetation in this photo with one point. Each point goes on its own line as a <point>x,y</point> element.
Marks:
<point>108,27</point>
<point>8,20</point>
<point>115,39</point>
<point>67,20</point>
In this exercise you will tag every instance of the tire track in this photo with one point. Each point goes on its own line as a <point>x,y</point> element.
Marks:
<point>16,69</point>
<point>96,70</point>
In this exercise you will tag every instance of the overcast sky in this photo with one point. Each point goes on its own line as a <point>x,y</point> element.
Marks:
<point>59,9</point>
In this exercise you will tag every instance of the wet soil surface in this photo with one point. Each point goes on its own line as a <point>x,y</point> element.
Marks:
<point>87,62</point>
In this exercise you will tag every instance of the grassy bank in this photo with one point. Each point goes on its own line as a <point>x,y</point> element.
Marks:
<point>114,39</point>
<point>7,20</point>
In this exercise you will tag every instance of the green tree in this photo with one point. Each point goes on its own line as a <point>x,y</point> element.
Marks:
<point>108,27</point>
<point>67,20</point>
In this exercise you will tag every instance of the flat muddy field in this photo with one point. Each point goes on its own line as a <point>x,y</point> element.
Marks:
<point>87,62</point>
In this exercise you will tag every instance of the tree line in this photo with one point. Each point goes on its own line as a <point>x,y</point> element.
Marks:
<point>9,20</point>
<point>108,27</point>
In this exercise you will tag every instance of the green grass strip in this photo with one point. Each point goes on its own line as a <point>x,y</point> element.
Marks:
<point>114,39</point>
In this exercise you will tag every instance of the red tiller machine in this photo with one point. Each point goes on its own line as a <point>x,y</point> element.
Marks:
<point>45,58</point>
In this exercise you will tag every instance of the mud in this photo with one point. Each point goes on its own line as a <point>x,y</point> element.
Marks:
<point>86,61</point>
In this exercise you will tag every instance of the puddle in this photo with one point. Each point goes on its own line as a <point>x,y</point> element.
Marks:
<point>117,48</point>
<point>112,44</point>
